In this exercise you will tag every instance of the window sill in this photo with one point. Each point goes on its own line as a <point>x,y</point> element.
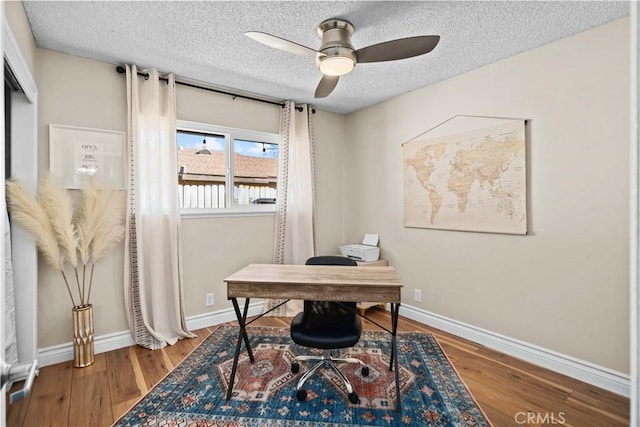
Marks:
<point>258,210</point>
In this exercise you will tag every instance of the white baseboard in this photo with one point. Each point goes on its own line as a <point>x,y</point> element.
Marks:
<point>64,352</point>
<point>587,372</point>
<point>205,320</point>
<point>590,373</point>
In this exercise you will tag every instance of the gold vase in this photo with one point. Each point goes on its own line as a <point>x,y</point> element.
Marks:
<point>82,335</point>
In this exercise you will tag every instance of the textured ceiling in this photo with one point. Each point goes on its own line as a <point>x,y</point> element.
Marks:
<point>204,41</point>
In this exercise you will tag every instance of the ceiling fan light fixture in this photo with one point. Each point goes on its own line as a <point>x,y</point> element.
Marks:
<point>337,56</point>
<point>336,65</point>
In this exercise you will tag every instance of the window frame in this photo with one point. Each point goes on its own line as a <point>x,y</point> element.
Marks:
<point>230,134</point>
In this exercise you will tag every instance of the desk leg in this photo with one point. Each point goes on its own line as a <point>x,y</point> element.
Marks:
<point>243,326</point>
<point>395,310</point>
<point>242,335</point>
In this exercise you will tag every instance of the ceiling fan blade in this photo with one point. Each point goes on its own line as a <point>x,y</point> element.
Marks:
<point>281,44</point>
<point>326,86</point>
<point>397,49</point>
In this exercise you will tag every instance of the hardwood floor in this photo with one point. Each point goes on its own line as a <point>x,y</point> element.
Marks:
<point>510,391</point>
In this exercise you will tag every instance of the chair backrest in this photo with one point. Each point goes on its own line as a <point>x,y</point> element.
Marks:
<point>331,260</point>
<point>319,313</point>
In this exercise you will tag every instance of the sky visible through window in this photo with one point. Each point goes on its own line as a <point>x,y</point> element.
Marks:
<point>217,143</point>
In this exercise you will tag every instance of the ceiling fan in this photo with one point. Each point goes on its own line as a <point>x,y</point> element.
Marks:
<point>337,57</point>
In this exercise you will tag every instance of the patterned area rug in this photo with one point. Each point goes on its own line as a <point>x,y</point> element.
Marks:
<point>264,394</point>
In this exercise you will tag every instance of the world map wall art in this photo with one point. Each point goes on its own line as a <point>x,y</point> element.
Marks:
<point>467,174</point>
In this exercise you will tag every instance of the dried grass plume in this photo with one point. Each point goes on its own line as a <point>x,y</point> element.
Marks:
<point>63,236</point>
<point>57,204</point>
<point>30,214</point>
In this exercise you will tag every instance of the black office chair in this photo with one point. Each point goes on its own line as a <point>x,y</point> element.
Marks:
<point>327,326</point>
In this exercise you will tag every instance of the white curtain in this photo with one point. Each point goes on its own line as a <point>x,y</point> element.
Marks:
<point>295,234</point>
<point>153,263</point>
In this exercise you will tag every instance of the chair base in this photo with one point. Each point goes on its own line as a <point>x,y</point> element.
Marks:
<point>328,361</point>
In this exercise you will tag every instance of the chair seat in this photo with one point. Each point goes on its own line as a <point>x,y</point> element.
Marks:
<point>327,325</point>
<point>329,337</point>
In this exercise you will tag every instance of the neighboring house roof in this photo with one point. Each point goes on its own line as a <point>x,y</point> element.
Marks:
<point>199,166</point>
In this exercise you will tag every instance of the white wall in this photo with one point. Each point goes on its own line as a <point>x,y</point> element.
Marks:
<point>564,286</point>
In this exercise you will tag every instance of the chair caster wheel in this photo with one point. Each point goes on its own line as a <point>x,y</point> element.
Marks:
<point>353,398</point>
<point>295,367</point>
<point>365,371</point>
<point>302,395</point>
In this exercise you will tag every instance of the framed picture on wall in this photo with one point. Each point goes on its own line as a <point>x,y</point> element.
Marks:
<point>468,174</point>
<point>77,154</point>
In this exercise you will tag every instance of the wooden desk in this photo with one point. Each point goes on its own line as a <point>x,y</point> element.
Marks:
<point>364,306</point>
<point>313,282</point>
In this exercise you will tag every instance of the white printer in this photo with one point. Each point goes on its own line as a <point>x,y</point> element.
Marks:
<point>367,251</point>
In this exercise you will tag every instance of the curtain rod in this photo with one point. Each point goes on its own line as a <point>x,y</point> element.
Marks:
<point>120,69</point>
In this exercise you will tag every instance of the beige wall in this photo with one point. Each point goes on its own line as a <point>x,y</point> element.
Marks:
<point>81,92</point>
<point>17,19</point>
<point>565,285</point>
<point>203,106</point>
<point>331,182</point>
<point>213,248</point>
<point>78,92</point>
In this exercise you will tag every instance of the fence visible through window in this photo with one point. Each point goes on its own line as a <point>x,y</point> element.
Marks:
<point>213,196</point>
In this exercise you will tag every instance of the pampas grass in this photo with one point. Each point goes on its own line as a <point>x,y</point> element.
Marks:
<point>55,201</point>
<point>99,226</point>
<point>27,211</point>
<point>30,214</point>
<point>65,237</point>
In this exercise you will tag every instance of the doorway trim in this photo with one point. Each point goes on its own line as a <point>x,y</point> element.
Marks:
<point>24,166</point>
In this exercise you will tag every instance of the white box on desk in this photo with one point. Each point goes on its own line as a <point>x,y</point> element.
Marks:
<point>367,251</point>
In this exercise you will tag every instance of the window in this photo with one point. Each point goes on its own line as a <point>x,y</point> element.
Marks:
<point>226,170</point>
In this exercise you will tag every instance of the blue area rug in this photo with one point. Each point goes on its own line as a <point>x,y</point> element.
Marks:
<point>264,394</point>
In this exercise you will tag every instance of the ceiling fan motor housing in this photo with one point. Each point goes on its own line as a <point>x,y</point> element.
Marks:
<point>338,57</point>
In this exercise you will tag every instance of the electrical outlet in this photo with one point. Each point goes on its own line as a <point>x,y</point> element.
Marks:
<point>208,299</point>
<point>417,295</point>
